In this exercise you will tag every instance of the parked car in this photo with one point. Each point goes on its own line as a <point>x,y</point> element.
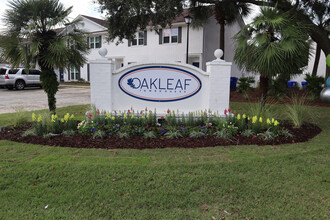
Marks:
<point>3,72</point>
<point>19,78</point>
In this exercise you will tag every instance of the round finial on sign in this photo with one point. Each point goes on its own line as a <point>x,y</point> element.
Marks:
<point>218,53</point>
<point>103,52</point>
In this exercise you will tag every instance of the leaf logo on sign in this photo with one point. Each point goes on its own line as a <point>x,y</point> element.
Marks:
<point>130,82</point>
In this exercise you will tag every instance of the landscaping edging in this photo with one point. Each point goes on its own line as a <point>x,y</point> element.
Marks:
<point>302,134</point>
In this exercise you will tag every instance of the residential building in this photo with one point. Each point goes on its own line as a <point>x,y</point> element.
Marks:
<point>168,45</point>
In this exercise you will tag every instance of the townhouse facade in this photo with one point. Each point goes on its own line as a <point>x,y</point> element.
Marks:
<point>168,45</point>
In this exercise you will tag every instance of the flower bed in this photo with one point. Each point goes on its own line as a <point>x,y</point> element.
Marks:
<point>145,130</point>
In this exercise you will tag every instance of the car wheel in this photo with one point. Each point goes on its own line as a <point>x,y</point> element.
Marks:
<point>19,85</point>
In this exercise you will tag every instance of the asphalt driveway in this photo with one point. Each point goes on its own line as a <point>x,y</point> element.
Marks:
<point>35,98</point>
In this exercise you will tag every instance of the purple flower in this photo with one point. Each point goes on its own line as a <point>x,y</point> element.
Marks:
<point>92,129</point>
<point>110,134</point>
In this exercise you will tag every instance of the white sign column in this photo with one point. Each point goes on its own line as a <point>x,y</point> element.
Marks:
<point>219,83</point>
<point>101,81</point>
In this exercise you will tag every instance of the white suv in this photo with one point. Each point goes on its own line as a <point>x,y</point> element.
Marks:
<point>3,72</point>
<point>19,79</point>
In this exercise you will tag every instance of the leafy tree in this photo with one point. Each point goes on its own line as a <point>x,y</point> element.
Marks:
<point>319,12</point>
<point>31,40</point>
<point>125,17</point>
<point>273,44</point>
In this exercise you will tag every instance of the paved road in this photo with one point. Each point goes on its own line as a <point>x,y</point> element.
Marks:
<point>35,98</point>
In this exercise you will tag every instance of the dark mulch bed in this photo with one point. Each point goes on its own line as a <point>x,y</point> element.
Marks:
<point>303,134</point>
<point>254,96</point>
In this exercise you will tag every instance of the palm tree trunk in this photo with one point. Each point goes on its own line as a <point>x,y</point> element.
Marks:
<point>317,59</point>
<point>50,85</point>
<point>222,37</point>
<point>263,88</point>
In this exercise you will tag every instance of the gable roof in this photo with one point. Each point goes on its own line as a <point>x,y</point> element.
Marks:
<point>101,22</point>
<point>96,20</point>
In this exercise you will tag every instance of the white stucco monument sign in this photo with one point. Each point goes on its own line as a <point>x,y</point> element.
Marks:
<point>160,86</point>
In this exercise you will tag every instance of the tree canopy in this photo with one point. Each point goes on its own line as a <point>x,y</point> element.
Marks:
<point>125,17</point>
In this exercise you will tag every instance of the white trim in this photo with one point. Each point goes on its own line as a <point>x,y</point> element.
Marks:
<point>180,65</point>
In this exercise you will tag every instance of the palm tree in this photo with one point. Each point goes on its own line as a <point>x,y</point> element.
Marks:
<point>272,45</point>
<point>226,12</point>
<point>31,40</point>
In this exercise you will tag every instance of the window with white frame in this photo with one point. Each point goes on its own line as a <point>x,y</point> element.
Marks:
<point>95,42</point>
<point>138,39</point>
<point>170,35</point>
<point>75,73</point>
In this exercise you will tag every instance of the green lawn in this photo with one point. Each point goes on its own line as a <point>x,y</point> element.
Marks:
<point>276,182</point>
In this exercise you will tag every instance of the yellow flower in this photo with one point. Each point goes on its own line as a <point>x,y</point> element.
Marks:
<point>238,117</point>
<point>276,122</point>
<point>142,116</point>
<point>260,119</point>
<point>268,121</point>
<point>72,116</point>
<point>34,117</point>
<point>148,115</point>
<point>273,120</point>
<point>132,116</point>
<point>244,116</point>
<point>254,119</point>
<point>125,116</point>
<point>62,120</point>
<point>54,117</point>
<point>113,118</point>
<point>108,115</point>
<point>39,118</point>
<point>66,117</point>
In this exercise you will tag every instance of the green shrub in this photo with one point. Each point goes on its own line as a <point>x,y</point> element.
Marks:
<point>149,135</point>
<point>285,132</point>
<point>267,135</point>
<point>223,133</point>
<point>277,88</point>
<point>69,133</point>
<point>315,84</point>
<point>29,133</point>
<point>99,134</point>
<point>244,84</point>
<point>196,134</point>
<point>173,134</point>
<point>247,133</point>
<point>123,135</point>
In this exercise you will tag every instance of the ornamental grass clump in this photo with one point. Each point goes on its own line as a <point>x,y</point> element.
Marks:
<point>20,116</point>
<point>299,112</point>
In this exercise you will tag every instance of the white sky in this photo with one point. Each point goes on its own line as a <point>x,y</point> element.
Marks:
<point>87,7</point>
